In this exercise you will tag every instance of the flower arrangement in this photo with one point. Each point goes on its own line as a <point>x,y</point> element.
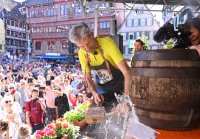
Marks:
<point>78,114</point>
<point>60,129</point>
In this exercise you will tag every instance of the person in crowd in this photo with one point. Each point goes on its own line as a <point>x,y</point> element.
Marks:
<point>4,129</point>
<point>79,99</point>
<point>61,102</point>
<point>193,26</point>
<point>24,132</point>
<point>103,56</point>
<point>10,114</point>
<point>12,91</point>
<point>35,109</point>
<point>50,101</point>
<point>138,45</point>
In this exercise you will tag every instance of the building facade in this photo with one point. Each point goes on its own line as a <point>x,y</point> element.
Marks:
<point>16,31</point>
<point>50,21</point>
<point>137,24</point>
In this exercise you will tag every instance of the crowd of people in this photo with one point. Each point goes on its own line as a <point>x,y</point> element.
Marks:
<point>34,93</point>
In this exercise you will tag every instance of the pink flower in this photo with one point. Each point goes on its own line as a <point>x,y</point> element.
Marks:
<point>49,132</point>
<point>38,136</point>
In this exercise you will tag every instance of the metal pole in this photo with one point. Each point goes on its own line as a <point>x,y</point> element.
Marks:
<point>28,45</point>
<point>95,21</point>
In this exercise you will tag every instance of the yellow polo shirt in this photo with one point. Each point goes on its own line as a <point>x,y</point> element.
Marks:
<point>110,51</point>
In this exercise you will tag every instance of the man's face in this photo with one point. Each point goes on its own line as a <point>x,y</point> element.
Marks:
<point>138,46</point>
<point>88,43</point>
<point>195,34</point>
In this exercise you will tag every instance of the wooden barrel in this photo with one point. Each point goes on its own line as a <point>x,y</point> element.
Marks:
<point>166,88</point>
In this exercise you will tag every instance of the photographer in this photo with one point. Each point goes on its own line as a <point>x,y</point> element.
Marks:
<point>193,26</point>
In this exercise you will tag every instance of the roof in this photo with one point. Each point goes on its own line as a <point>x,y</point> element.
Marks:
<point>160,2</point>
<point>13,13</point>
<point>38,2</point>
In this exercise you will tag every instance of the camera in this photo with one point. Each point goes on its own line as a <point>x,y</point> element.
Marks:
<point>180,35</point>
<point>48,83</point>
<point>35,100</point>
<point>30,80</point>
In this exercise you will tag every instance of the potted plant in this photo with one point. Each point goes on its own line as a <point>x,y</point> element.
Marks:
<point>60,129</point>
<point>77,116</point>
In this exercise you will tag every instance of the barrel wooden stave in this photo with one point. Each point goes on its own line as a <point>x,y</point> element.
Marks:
<point>167,95</point>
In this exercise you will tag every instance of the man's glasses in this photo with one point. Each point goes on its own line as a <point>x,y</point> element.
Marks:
<point>11,88</point>
<point>8,101</point>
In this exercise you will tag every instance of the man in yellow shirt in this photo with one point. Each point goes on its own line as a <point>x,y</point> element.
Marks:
<point>103,56</point>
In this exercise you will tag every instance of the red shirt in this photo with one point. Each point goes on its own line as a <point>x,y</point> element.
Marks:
<point>36,112</point>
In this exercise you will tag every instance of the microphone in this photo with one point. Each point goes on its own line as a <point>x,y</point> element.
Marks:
<point>95,53</point>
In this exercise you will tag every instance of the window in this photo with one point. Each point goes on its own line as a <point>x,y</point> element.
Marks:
<point>103,25</point>
<point>63,9</point>
<point>32,14</point>
<point>51,12</point>
<point>41,13</point>
<point>108,24</point>
<point>12,23</point>
<point>146,33</point>
<point>138,35</point>
<point>135,22</point>
<point>76,8</point>
<point>142,22</point>
<point>130,50</point>
<point>8,22</point>
<point>127,37</point>
<point>64,44</point>
<point>51,45</point>
<point>38,46</point>
<point>129,23</point>
<point>149,21</point>
<point>8,32</point>
<point>92,25</point>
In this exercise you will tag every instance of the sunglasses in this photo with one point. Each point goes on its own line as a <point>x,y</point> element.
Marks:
<point>8,101</point>
<point>11,88</point>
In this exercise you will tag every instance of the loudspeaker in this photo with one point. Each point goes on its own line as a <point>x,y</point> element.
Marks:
<point>118,39</point>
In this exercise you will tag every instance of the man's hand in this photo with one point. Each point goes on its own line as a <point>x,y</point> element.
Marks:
<point>98,99</point>
<point>196,47</point>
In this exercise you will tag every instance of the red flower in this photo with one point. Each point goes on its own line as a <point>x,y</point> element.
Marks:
<point>65,125</point>
<point>57,125</point>
<point>50,126</point>
<point>40,132</point>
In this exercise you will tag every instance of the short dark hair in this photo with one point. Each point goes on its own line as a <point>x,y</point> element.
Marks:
<point>140,41</point>
<point>194,22</point>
